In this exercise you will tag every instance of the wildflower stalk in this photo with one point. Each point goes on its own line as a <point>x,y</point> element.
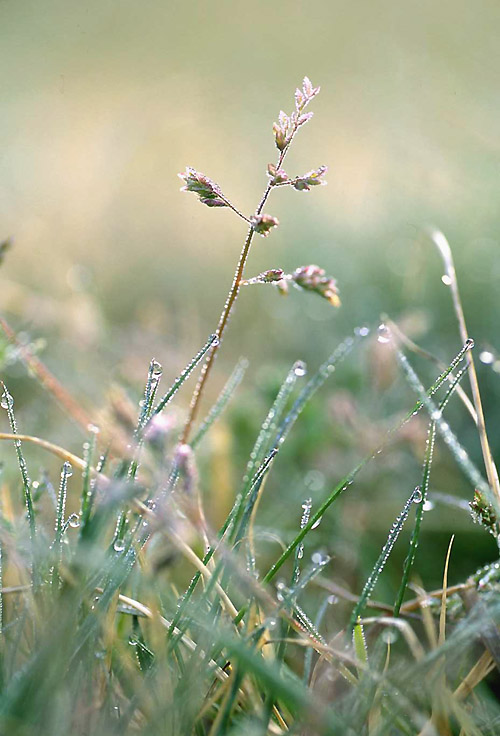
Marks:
<point>224,317</point>
<point>210,194</point>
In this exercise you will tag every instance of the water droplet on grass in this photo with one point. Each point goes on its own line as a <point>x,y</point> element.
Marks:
<point>390,636</point>
<point>7,402</point>
<point>417,495</point>
<point>300,368</point>
<point>362,331</point>
<point>384,336</point>
<point>319,558</point>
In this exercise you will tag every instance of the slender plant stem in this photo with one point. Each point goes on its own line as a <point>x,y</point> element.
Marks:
<point>228,306</point>
<point>446,254</point>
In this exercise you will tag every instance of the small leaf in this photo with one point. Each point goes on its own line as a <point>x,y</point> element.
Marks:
<point>360,648</point>
<point>277,176</point>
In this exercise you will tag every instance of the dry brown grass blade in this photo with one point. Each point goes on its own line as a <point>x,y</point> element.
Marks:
<point>47,379</point>
<point>442,613</point>
<point>484,665</point>
<point>60,452</point>
<point>409,635</point>
<point>444,248</point>
<point>414,604</point>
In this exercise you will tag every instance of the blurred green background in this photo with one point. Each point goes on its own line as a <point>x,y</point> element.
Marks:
<point>105,102</point>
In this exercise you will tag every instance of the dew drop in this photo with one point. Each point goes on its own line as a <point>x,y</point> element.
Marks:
<point>469,343</point>
<point>428,505</point>
<point>362,331</point>
<point>7,402</point>
<point>317,523</point>
<point>417,495</point>
<point>318,558</point>
<point>486,357</point>
<point>93,429</point>
<point>332,599</point>
<point>436,414</point>
<point>272,623</point>
<point>300,368</point>
<point>300,552</point>
<point>157,368</point>
<point>74,521</point>
<point>390,636</point>
<point>446,279</point>
<point>68,469</point>
<point>119,545</point>
<point>384,336</point>
<point>214,340</point>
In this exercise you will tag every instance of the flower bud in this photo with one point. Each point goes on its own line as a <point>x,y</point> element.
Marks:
<point>310,179</point>
<point>277,176</point>
<point>207,190</point>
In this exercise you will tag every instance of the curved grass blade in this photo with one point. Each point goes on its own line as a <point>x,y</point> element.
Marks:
<point>87,495</point>
<point>66,472</point>
<point>429,454</point>
<point>313,385</point>
<point>349,478</point>
<point>459,453</point>
<point>212,341</point>
<point>7,402</point>
<point>416,497</point>
<point>154,375</point>
<point>259,455</point>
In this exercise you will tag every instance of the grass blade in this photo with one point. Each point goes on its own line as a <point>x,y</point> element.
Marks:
<point>416,497</point>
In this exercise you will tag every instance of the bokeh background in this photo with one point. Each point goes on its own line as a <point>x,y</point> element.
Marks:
<point>104,102</point>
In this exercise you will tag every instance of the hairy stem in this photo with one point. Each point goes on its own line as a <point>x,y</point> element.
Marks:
<point>226,312</point>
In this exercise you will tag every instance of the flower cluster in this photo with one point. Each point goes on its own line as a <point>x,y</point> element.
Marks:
<point>483,513</point>
<point>207,190</point>
<point>262,224</point>
<point>309,278</point>
<point>277,176</point>
<point>266,277</point>
<point>286,127</point>
<point>312,178</point>
<point>313,278</point>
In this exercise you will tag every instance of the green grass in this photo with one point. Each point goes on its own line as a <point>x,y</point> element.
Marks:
<point>131,613</point>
